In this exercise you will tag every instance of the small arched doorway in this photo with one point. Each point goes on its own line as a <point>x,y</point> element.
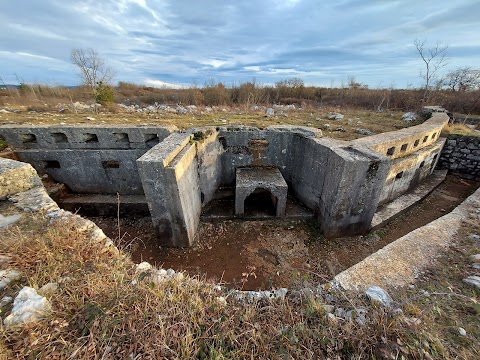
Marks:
<point>261,202</point>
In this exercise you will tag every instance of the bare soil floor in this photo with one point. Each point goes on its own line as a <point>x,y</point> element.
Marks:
<point>272,253</point>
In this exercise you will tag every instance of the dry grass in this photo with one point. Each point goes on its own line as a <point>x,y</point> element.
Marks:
<point>341,129</point>
<point>246,94</point>
<point>100,313</point>
<point>460,129</point>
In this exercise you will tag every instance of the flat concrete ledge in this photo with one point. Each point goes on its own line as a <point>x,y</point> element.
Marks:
<point>400,262</point>
<point>392,210</point>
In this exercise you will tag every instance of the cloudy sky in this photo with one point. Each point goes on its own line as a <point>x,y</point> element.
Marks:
<point>184,42</point>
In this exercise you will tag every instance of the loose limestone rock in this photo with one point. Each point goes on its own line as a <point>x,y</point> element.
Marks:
<point>34,200</point>
<point>472,280</point>
<point>16,177</point>
<point>8,220</point>
<point>378,295</point>
<point>409,116</point>
<point>8,276</point>
<point>475,258</point>
<point>28,307</point>
<point>5,301</point>
<point>48,288</point>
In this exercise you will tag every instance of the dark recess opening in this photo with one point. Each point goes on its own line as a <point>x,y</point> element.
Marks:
<point>399,175</point>
<point>121,137</point>
<point>425,139</point>
<point>433,162</point>
<point>391,150</point>
<point>222,141</point>
<point>111,164</point>
<point>422,164</point>
<point>404,147</point>
<point>151,139</point>
<point>28,138</point>
<point>51,164</point>
<point>416,142</point>
<point>261,202</point>
<point>59,138</point>
<point>258,144</point>
<point>90,138</point>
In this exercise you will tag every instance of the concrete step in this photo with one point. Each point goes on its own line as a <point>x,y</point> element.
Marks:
<point>105,205</point>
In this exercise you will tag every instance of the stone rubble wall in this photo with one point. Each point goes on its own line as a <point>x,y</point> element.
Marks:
<point>461,155</point>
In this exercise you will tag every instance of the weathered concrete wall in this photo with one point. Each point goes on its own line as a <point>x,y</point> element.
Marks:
<point>351,190</point>
<point>273,146</point>
<point>88,159</point>
<point>403,142</point>
<point>209,157</point>
<point>89,171</point>
<point>461,155</point>
<point>407,172</point>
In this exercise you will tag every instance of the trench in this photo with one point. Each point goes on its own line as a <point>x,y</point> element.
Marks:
<point>261,254</point>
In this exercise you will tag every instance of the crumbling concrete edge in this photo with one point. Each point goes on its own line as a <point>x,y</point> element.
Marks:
<point>35,199</point>
<point>399,263</point>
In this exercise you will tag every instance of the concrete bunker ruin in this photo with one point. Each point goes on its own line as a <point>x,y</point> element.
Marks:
<point>178,173</point>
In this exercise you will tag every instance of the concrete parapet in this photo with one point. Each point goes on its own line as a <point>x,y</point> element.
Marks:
<point>406,172</point>
<point>403,142</point>
<point>84,137</point>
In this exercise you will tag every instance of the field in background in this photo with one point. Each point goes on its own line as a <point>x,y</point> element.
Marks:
<point>245,95</point>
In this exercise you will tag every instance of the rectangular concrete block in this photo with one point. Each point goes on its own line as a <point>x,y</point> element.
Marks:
<point>351,190</point>
<point>170,180</point>
<point>252,178</point>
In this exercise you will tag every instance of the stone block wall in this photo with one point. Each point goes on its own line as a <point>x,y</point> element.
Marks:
<point>461,155</point>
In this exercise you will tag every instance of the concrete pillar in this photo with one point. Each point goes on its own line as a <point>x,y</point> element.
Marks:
<point>169,174</point>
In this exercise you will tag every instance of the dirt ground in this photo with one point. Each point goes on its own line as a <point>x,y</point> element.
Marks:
<point>273,253</point>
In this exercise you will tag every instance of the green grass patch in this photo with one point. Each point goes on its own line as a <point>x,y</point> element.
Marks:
<point>3,144</point>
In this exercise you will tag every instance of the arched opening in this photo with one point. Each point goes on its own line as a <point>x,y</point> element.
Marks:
<point>261,202</point>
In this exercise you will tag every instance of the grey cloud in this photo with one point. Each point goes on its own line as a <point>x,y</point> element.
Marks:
<point>177,41</point>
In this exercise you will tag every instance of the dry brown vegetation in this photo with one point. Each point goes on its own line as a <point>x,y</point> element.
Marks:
<point>249,93</point>
<point>100,313</point>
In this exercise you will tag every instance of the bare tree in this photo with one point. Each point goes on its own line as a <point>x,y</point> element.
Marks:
<point>463,79</point>
<point>434,59</point>
<point>92,68</point>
